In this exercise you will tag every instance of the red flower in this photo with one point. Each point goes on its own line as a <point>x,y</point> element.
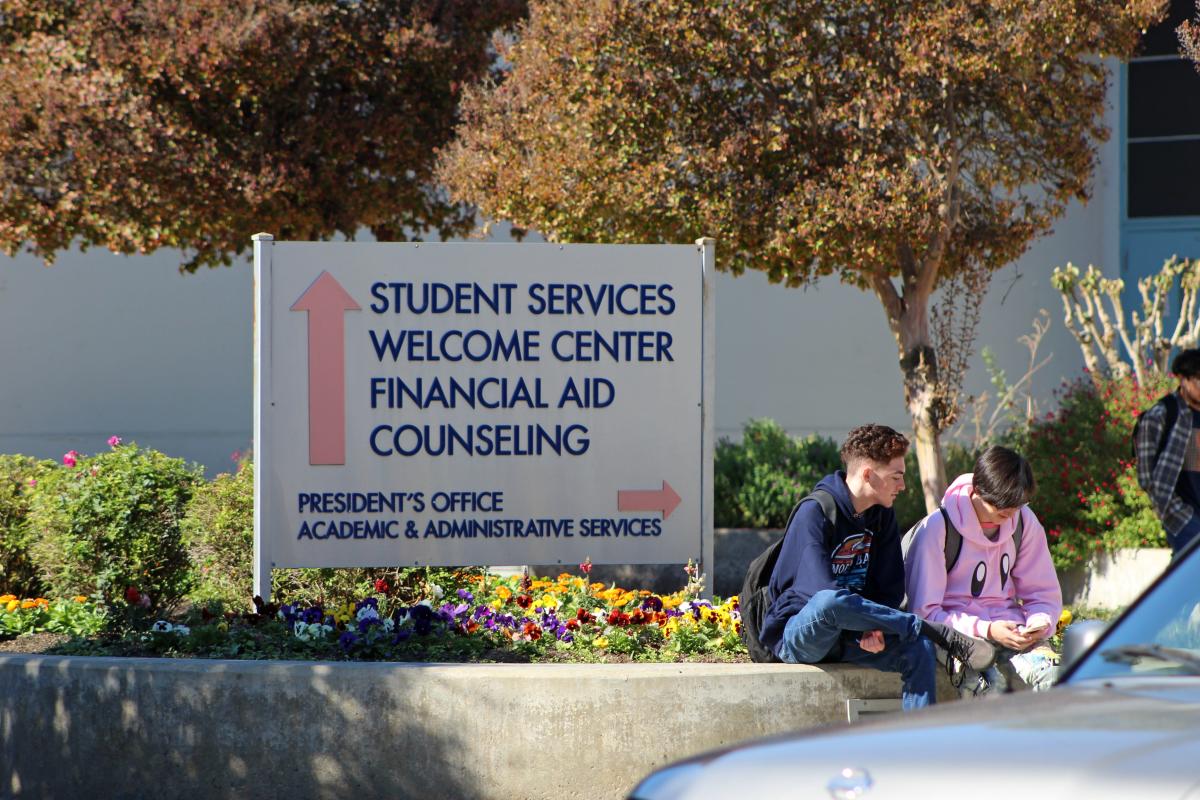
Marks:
<point>572,624</point>
<point>381,585</point>
<point>532,631</point>
<point>618,618</point>
<point>132,595</point>
<point>586,566</point>
<point>584,616</point>
<point>638,617</point>
<point>524,600</point>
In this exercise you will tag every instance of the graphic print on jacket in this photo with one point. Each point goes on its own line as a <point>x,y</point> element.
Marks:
<point>849,561</point>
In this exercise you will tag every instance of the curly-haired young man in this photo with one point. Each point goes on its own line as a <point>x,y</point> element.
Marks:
<point>837,584</point>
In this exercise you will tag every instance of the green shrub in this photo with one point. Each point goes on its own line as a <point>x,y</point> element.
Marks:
<point>109,522</point>
<point>218,531</point>
<point>758,480</point>
<point>19,479</point>
<point>1088,498</point>
<point>219,534</point>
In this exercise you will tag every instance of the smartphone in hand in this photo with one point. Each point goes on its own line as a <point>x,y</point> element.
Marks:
<point>1040,626</point>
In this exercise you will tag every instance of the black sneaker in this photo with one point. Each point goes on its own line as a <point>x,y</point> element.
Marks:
<point>977,654</point>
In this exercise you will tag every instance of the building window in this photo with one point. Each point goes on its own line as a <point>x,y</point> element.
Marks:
<point>1163,124</point>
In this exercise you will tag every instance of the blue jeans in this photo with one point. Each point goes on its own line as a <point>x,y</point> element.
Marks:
<point>810,636</point>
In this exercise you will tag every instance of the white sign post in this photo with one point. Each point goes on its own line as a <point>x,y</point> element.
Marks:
<point>481,404</point>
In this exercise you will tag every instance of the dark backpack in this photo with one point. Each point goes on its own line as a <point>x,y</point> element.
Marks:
<point>755,598</point>
<point>1171,405</point>
<point>952,547</point>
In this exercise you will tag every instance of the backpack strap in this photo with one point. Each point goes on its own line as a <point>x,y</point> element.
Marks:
<point>828,509</point>
<point>954,541</point>
<point>1017,534</point>
<point>1171,407</point>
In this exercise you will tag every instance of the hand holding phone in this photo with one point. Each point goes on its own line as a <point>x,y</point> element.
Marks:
<point>1038,626</point>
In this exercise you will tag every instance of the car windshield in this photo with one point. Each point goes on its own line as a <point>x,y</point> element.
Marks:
<point>1159,636</point>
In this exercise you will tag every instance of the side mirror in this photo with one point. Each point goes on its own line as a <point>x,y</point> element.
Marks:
<point>1078,637</point>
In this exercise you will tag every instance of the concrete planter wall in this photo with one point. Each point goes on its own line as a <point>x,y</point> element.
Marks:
<point>173,728</point>
<point>1114,579</point>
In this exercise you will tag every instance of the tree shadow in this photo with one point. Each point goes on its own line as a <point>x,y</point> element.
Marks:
<point>187,728</point>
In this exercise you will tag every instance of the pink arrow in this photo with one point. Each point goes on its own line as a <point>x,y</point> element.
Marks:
<point>664,500</point>
<point>326,301</point>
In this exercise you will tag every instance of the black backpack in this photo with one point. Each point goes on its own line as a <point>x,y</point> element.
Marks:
<point>755,598</point>
<point>1171,404</point>
<point>952,547</point>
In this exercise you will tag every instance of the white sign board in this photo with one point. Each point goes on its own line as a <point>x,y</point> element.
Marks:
<point>471,403</point>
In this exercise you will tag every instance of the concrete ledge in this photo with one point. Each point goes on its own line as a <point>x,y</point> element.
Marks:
<point>174,728</point>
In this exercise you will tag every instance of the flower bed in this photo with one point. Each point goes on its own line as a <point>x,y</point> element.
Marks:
<point>490,618</point>
<point>76,616</point>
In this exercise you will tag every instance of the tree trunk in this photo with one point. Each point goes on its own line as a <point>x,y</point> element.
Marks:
<point>919,367</point>
<point>908,317</point>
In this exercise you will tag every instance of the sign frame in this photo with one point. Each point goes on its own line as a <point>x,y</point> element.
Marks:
<point>264,559</point>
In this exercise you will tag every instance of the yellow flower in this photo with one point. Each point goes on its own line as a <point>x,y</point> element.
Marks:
<point>548,601</point>
<point>29,604</point>
<point>600,642</point>
<point>80,598</point>
<point>596,587</point>
<point>7,598</point>
<point>671,601</point>
<point>13,605</point>
<point>503,592</point>
<point>1064,619</point>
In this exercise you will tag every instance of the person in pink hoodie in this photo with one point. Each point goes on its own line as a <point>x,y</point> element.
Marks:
<point>993,591</point>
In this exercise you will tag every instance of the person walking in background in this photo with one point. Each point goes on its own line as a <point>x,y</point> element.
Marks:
<point>981,564</point>
<point>1168,454</point>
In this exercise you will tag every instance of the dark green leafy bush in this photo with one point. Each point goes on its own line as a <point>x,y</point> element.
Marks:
<point>19,479</point>
<point>759,479</point>
<point>109,523</point>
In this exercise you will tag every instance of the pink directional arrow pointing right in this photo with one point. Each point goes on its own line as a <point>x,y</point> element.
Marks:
<point>326,301</point>
<point>664,500</point>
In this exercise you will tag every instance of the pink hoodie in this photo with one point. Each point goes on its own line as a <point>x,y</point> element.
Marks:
<point>979,589</point>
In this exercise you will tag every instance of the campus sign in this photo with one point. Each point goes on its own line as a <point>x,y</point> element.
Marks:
<point>471,403</point>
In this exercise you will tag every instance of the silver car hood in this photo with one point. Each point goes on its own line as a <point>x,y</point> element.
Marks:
<point>1127,738</point>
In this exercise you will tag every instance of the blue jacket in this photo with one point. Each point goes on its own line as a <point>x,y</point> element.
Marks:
<point>862,555</point>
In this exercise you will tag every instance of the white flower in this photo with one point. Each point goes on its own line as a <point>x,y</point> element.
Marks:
<point>366,612</point>
<point>182,630</point>
<point>388,625</point>
<point>438,592</point>
<point>300,630</point>
<point>162,626</point>
<point>426,603</point>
